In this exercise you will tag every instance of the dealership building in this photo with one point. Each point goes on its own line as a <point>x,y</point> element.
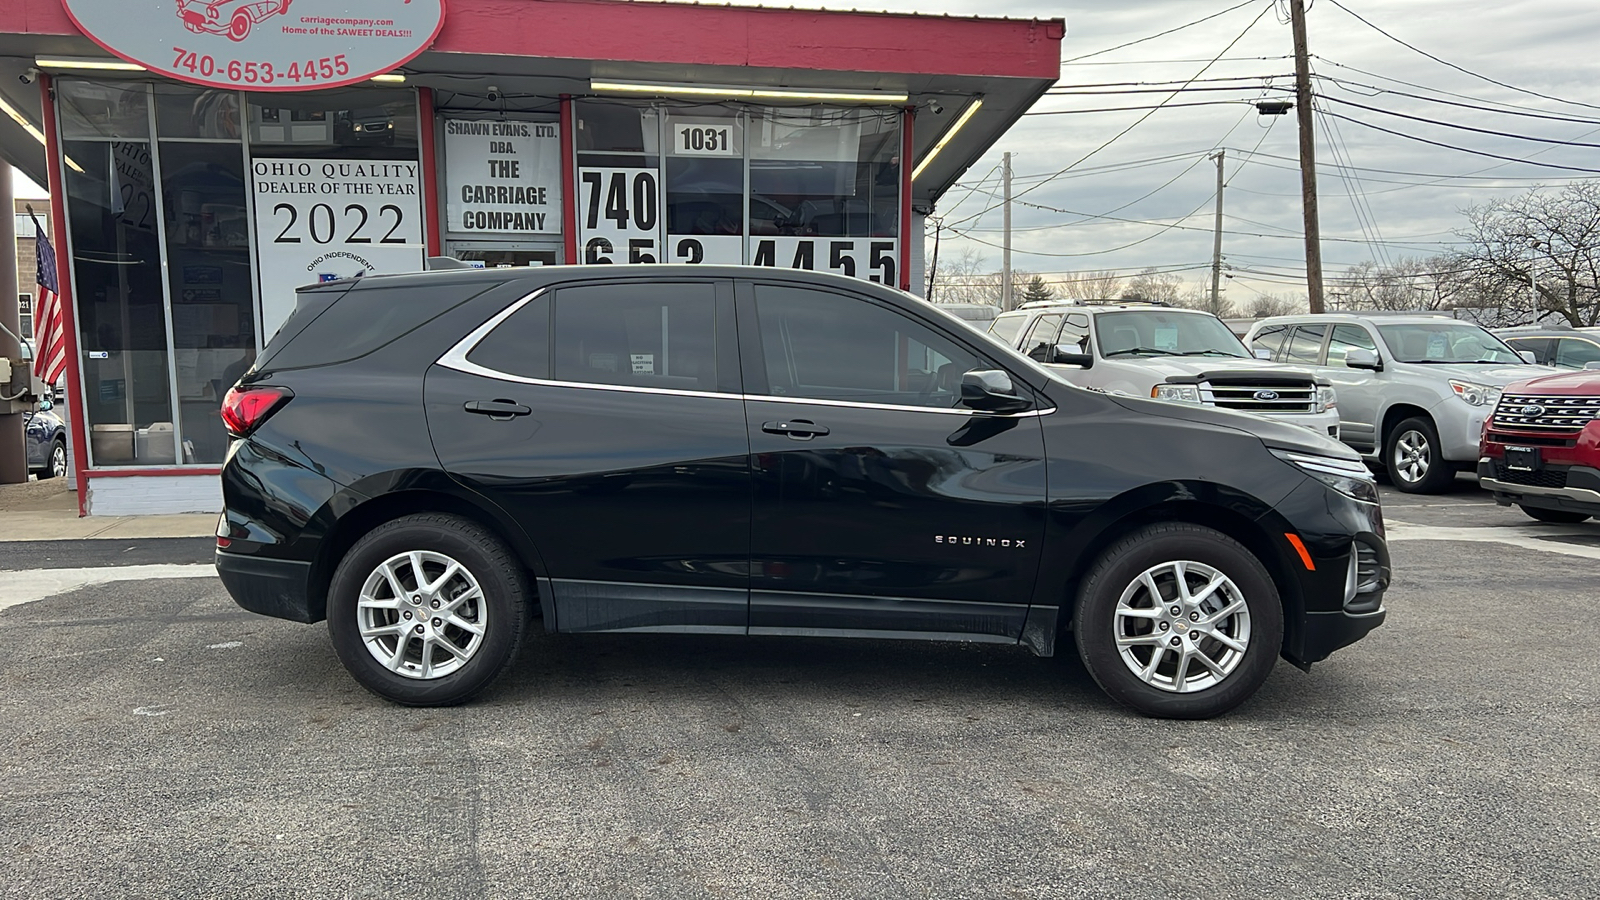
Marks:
<point>208,156</point>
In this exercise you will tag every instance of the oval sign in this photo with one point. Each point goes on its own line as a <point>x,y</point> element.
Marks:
<point>262,45</point>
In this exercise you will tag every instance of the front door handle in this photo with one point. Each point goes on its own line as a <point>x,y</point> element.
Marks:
<point>799,429</point>
<point>496,409</point>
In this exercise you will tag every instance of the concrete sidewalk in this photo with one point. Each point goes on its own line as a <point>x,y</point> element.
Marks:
<point>47,511</point>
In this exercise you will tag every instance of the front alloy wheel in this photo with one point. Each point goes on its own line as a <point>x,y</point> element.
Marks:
<point>1182,626</point>
<point>1414,458</point>
<point>1179,621</point>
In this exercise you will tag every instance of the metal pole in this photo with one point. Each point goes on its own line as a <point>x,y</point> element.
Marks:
<point>1216,243</point>
<point>13,449</point>
<point>1308,160</point>
<point>1006,300</point>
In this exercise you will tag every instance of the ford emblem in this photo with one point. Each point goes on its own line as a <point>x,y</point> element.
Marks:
<point>1531,410</point>
<point>1266,396</point>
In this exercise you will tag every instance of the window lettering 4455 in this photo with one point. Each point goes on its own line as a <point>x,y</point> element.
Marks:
<point>263,44</point>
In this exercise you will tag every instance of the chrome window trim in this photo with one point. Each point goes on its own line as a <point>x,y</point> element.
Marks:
<point>456,358</point>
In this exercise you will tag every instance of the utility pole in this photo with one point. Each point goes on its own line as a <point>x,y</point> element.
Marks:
<point>1006,300</point>
<point>1216,242</point>
<point>1308,160</point>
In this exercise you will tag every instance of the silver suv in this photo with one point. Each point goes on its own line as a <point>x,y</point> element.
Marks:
<point>1182,355</point>
<point>1413,390</point>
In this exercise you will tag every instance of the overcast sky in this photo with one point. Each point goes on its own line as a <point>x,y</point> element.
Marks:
<point>1548,46</point>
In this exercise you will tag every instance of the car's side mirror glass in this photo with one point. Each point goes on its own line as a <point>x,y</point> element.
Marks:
<point>1593,364</point>
<point>1528,357</point>
<point>1362,359</point>
<point>991,390</point>
<point>1262,353</point>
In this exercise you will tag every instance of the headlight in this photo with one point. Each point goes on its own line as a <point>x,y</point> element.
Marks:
<point>1180,393</point>
<point>1475,394</point>
<point>1326,399</point>
<point>1348,477</point>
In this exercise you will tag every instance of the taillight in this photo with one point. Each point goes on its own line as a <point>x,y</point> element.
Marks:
<point>243,411</point>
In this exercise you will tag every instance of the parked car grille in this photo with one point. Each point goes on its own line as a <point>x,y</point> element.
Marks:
<point>1259,398</point>
<point>1542,413</point>
<point>1548,478</point>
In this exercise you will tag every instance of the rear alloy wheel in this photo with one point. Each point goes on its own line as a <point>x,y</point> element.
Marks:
<point>427,610</point>
<point>56,466</point>
<point>1560,516</point>
<point>1179,621</point>
<point>1412,456</point>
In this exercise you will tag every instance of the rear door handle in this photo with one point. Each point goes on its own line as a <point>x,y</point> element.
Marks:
<point>496,409</point>
<point>799,429</point>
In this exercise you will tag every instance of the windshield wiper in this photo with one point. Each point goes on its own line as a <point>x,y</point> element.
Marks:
<point>1211,353</point>
<point>1150,350</point>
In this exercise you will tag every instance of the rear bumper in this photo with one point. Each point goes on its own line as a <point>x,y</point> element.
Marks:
<point>272,587</point>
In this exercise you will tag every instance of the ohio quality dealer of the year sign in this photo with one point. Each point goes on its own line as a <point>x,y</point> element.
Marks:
<point>262,45</point>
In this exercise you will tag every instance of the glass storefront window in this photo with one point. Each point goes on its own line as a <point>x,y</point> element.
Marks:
<point>103,110</point>
<point>794,187</point>
<point>122,323</point>
<point>352,123</point>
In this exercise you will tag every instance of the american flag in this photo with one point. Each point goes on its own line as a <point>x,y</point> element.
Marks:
<point>49,322</point>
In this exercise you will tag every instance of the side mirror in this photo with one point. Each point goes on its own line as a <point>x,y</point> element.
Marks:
<point>1595,364</point>
<point>991,390</point>
<point>1262,353</point>
<point>1069,358</point>
<point>1528,357</point>
<point>1363,359</point>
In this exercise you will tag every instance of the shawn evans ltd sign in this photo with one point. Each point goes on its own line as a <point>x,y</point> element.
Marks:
<point>263,45</point>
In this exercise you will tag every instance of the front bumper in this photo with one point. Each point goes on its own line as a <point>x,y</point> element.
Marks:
<point>1580,494</point>
<point>1323,423</point>
<point>1460,428</point>
<point>272,587</point>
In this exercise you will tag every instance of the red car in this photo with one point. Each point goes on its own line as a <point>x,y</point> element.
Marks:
<point>1541,447</point>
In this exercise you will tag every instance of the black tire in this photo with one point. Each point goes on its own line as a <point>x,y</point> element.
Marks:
<point>502,612</point>
<point>1096,624</point>
<point>1559,516</point>
<point>1413,458</point>
<point>55,462</point>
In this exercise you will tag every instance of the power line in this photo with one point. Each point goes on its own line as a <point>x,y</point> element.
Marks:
<point>1423,140</point>
<point>1347,84</point>
<point>1445,62</point>
<point>1159,34</point>
<point>1112,109</point>
<point>1488,131</point>
<point>1147,115</point>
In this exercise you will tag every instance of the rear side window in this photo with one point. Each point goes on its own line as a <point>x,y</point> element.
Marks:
<point>1575,353</point>
<point>1005,329</point>
<point>367,318</point>
<point>1305,345</point>
<point>638,335</point>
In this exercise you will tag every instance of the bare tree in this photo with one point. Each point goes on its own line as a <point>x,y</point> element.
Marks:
<point>1151,286</point>
<point>963,277</point>
<point>1098,285</point>
<point>1543,246</point>
<point>1264,305</point>
<point>1200,298</point>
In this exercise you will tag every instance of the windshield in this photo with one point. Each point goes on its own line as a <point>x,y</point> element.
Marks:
<point>1159,333</point>
<point>1445,342</point>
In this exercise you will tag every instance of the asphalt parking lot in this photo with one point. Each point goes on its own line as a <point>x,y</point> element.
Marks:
<point>160,742</point>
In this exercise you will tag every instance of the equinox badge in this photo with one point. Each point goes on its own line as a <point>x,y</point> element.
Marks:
<point>978,541</point>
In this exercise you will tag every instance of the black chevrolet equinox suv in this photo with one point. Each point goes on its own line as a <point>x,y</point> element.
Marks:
<point>433,462</point>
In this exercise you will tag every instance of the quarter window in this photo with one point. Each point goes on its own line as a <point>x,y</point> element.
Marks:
<point>637,335</point>
<point>1270,339</point>
<point>521,344</point>
<point>1005,328</point>
<point>826,346</point>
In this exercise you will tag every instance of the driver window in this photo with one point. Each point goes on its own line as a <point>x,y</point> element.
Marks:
<point>1042,338</point>
<point>1074,335</point>
<point>826,346</point>
<point>1346,338</point>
